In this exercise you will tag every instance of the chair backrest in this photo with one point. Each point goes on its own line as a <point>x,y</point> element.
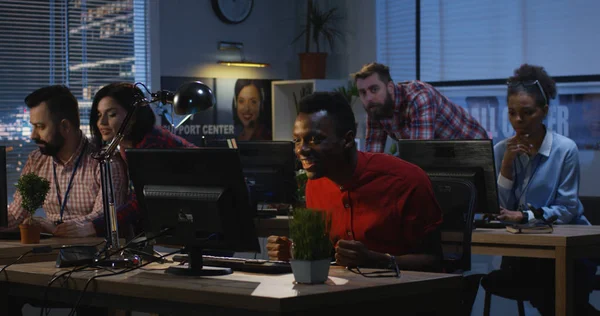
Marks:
<point>457,199</point>
<point>591,208</point>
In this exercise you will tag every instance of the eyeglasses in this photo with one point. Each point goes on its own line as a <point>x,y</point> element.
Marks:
<point>528,83</point>
<point>392,273</point>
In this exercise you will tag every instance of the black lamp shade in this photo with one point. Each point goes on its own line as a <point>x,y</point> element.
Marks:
<point>193,97</point>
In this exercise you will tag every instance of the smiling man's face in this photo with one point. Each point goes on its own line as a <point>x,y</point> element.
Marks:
<point>317,145</point>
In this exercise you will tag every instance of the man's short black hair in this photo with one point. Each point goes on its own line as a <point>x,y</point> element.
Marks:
<point>337,107</point>
<point>61,103</point>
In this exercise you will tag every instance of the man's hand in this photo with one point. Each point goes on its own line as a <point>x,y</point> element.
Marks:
<point>279,248</point>
<point>510,216</point>
<point>75,229</point>
<point>47,225</point>
<point>352,253</point>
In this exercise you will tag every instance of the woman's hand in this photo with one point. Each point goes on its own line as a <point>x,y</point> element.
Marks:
<point>518,144</point>
<point>510,216</point>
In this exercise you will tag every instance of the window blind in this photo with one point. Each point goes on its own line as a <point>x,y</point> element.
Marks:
<point>487,39</point>
<point>83,44</point>
<point>395,26</point>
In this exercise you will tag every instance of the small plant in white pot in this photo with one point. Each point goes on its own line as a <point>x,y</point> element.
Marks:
<point>311,247</point>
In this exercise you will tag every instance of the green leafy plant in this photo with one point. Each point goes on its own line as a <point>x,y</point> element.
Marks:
<point>393,149</point>
<point>320,25</point>
<point>301,179</point>
<point>33,190</point>
<point>309,230</point>
<point>304,91</point>
<point>348,92</point>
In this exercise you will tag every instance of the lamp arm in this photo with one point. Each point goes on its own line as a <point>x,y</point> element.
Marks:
<point>104,157</point>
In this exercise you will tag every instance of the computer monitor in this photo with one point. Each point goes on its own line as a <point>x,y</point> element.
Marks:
<point>472,160</point>
<point>3,189</point>
<point>194,198</point>
<point>269,167</point>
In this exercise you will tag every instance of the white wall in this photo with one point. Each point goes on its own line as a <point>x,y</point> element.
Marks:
<point>190,31</point>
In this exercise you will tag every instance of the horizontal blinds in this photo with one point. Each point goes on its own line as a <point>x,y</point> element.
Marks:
<point>487,39</point>
<point>396,37</point>
<point>83,44</point>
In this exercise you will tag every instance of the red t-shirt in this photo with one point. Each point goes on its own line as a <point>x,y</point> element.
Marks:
<point>389,204</point>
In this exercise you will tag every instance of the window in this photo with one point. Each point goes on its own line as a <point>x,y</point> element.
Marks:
<point>486,39</point>
<point>83,44</point>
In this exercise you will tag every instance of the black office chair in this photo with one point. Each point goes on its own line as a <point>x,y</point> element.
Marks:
<point>519,295</point>
<point>457,198</point>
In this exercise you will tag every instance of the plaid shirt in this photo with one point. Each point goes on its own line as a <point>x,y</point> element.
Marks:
<point>422,112</point>
<point>84,201</point>
<point>128,214</point>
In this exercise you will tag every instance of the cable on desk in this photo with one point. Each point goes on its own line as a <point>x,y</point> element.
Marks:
<point>94,264</point>
<point>72,313</point>
<point>36,250</point>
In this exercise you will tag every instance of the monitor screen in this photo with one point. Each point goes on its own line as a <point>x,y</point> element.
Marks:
<point>269,167</point>
<point>3,189</point>
<point>472,160</point>
<point>195,199</point>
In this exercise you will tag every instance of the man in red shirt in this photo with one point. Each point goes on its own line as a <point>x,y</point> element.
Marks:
<point>382,208</point>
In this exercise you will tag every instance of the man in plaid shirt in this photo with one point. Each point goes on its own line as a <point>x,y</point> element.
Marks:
<point>409,110</point>
<point>64,158</point>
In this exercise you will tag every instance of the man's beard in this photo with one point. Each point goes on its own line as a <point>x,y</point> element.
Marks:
<point>385,110</point>
<point>52,148</point>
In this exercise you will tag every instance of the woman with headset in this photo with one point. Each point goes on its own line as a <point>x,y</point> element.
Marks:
<point>249,116</point>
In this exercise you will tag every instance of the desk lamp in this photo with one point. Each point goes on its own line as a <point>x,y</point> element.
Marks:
<point>190,98</point>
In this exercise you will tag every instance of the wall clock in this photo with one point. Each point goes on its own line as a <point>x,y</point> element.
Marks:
<point>232,11</point>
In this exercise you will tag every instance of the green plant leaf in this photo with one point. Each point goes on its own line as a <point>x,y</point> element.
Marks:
<point>33,190</point>
<point>309,231</point>
<point>323,24</point>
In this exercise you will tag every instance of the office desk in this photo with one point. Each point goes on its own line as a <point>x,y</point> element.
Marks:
<point>151,290</point>
<point>10,250</point>
<point>566,243</point>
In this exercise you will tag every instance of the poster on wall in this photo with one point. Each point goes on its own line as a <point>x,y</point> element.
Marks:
<point>576,116</point>
<point>243,111</point>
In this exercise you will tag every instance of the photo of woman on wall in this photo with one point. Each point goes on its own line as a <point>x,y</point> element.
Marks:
<point>251,110</point>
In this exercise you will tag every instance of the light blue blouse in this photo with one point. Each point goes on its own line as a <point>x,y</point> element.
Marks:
<point>549,180</point>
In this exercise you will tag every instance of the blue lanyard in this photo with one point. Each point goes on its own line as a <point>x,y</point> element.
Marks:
<point>526,188</point>
<point>63,203</point>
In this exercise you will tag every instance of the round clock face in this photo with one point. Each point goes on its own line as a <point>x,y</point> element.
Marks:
<point>232,11</point>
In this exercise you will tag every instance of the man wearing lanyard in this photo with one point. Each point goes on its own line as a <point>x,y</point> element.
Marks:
<point>64,158</point>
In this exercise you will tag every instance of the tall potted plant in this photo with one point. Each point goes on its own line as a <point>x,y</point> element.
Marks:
<point>33,190</point>
<point>319,25</point>
<point>311,247</point>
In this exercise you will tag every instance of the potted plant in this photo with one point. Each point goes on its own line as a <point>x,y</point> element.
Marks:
<point>319,25</point>
<point>311,247</point>
<point>350,92</point>
<point>301,179</point>
<point>33,190</point>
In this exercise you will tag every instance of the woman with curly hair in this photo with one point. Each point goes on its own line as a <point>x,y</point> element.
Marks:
<point>538,181</point>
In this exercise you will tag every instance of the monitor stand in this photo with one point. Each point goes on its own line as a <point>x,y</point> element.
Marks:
<point>194,266</point>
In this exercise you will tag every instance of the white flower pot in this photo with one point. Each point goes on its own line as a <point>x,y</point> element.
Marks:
<point>310,272</point>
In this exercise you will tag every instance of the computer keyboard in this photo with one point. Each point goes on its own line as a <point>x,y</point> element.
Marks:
<point>490,224</point>
<point>243,264</point>
<point>272,209</point>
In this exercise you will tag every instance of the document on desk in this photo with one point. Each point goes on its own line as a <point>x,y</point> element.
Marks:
<point>531,228</point>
